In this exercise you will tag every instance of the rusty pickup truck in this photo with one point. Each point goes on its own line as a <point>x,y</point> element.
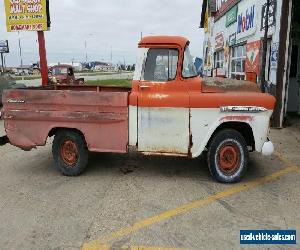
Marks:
<point>64,74</point>
<point>169,111</point>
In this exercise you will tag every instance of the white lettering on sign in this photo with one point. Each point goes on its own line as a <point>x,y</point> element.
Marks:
<point>246,22</point>
<point>220,3</point>
<point>25,6</point>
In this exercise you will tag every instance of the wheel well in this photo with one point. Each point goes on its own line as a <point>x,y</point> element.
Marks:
<point>53,131</point>
<point>243,128</point>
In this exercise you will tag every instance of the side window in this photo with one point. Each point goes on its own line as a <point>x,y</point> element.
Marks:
<point>161,65</point>
<point>188,68</point>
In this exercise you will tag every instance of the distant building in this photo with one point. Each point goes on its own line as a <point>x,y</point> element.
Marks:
<point>104,67</point>
<point>234,34</point>
<point>22,70</point>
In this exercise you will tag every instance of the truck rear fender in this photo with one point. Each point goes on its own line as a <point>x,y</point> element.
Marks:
<point>54,130</point>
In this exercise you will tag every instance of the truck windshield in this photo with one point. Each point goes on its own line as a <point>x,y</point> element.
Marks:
<point>59,71</point>
<point>188,68</point>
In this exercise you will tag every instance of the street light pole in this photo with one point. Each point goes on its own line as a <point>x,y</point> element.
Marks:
<point>20,50</point>
<point>86,55</point>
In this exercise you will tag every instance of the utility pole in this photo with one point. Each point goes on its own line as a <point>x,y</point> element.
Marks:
<point>265,48</point>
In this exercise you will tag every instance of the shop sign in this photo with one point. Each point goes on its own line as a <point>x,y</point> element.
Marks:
<point>26,15</point>
<point>232,39</point>
<point>272,14</point>
<point>246,22</point>
<point>223,6</point>
<point>4,46</point>
<point>274,55</point>
<point>219,41</point>
<point>231,16</point>
<point>253,57</point>
<point>206,22</point>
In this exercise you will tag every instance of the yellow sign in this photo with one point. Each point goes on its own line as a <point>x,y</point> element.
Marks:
<point>206,22</point>
<point>26,15</point>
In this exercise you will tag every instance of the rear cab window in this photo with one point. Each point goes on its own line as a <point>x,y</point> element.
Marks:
<point>161,65</point>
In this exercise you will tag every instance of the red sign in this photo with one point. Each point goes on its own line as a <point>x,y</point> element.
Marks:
<point>219,41</point>
<point>223,6</point>
<point>253,57</point>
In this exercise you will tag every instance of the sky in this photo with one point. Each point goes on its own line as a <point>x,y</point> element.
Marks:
<point>105,26</point>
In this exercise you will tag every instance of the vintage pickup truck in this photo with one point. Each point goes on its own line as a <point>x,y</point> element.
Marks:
<point>169,111</point>
<point>64,74</point>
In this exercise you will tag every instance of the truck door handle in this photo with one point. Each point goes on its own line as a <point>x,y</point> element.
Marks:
<point>142,87</point>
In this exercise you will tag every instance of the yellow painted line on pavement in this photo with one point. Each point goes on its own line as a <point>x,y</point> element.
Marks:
<point>155,248</point>
<point>284,159</point>
<point>107,247</point>
<point>187,207</point>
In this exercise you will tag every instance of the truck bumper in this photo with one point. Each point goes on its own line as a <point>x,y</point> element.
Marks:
<point>268,148</point>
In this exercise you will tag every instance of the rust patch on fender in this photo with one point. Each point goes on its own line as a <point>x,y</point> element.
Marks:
<point>221,85</point>
<point>240,118</point>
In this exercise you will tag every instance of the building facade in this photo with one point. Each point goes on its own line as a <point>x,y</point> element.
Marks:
<point>235,31</point>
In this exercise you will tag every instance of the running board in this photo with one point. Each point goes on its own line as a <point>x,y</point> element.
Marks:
<point>4,140</point>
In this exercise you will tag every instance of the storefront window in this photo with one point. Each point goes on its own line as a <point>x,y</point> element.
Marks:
<point>237,62</point>
<point>219,59</point>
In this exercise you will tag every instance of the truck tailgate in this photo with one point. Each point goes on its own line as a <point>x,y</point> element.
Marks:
<point>101,116</point>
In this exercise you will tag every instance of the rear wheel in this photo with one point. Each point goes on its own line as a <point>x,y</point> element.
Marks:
<point>228,156</point>
<point>70,152</point>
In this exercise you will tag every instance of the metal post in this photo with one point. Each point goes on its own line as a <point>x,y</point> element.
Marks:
<point>5,62</point>
<point>284,38</point>
<point>265,47</point>
<point>43,58</point>
<point>2,61</point>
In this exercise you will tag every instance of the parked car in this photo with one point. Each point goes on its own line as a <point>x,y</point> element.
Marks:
<point>169,111</point>
<point>64,74</point>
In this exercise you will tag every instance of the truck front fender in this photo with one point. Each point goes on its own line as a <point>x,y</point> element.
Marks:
<point>206,122</point>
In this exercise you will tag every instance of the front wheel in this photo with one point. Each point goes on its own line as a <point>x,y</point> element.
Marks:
<point>228,156</point>
<point>70,152</point>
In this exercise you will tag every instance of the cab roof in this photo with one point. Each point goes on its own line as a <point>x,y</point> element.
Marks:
<point>163,40</point>
<point>62,66</point>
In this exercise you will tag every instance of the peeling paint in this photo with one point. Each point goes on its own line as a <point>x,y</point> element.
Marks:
<point>241,118</point>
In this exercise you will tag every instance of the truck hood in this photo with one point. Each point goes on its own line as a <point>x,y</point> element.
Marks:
<point>221,85</point>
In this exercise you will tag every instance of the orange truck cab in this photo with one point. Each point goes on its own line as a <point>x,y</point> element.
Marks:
<point>169,111</point>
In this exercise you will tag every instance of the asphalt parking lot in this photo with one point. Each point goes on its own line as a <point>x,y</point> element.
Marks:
<point>136,202</point>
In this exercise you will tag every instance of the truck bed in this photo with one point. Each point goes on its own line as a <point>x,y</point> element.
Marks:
<point>99,113</point>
